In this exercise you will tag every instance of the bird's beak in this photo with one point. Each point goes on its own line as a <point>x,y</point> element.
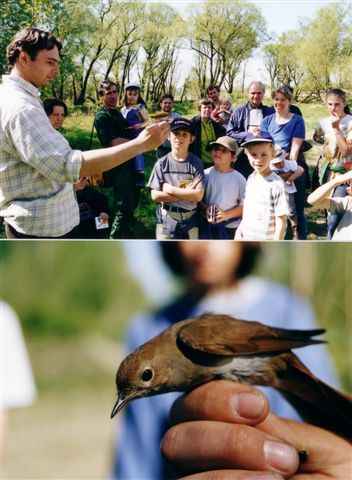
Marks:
<point>119,404</point>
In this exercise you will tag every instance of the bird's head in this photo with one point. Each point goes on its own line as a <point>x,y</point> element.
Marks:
<point>145,372</point>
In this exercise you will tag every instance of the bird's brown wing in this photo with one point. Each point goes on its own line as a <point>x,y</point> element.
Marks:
<point>227,336</point>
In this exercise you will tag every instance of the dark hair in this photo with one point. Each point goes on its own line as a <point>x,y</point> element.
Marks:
<point>164,97</point>
<point>205,101</point>
<point>105,85</point>
<point>172,256</point>
<point>285,90</point>
<point>31,40</point>
<point>137,89</point>
<point>213,87</point>
<point>50,103</point>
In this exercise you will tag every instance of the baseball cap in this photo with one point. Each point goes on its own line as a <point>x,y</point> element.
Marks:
<point>226,142</point>
<point>181,123</point>
<point>132,85</point>
<point>252,139</point>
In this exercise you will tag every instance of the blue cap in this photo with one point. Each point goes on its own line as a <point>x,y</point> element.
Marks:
<point>252,139</point>
<point>181,123</point>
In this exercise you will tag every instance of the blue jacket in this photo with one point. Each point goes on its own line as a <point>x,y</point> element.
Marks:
<point>238,125</point>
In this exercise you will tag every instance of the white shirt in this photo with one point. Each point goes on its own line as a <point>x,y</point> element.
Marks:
<point>289,166</point>
<point>16,381</point>
<point>37,165</point>
<point>265,199</point>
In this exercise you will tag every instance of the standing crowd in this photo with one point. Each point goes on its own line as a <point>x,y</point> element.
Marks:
<point>225,173</point>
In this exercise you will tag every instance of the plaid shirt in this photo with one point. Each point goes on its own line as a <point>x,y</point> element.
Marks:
<point>37,165</point>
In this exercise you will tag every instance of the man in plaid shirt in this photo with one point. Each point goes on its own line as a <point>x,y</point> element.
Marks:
<point>37,165</point>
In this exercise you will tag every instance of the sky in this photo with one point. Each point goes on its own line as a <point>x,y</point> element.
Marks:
<point>280,17</point>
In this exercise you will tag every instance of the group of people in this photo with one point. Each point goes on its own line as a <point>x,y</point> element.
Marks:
<point>226,173</point>
<point>252,178</point>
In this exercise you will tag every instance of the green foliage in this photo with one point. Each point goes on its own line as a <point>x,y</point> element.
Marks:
<point>68,289</point>
<point>223,35</point>
<point>316,56</point>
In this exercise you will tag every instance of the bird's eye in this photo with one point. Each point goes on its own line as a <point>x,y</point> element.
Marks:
<point>147,375</point>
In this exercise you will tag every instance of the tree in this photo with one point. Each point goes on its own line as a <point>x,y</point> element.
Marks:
<point>283,63</point>
<point>18,14</point>
<point>223,35</point>
<point>161,34</point>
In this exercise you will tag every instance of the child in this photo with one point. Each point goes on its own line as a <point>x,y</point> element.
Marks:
<point>323,197</point>
<point>288,170</point>
<point>223,113</point>
<point>136,114</point>
<point>265,204</point>
<point>224,191</point>
<point>177,185</point>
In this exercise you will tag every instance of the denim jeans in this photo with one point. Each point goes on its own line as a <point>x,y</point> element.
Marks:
<point>334,218</point>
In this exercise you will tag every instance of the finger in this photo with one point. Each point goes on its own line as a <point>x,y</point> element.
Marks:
<point>222,401</point>
<point>198,446</point>
<point>323,450</point>
<point>234,475</point>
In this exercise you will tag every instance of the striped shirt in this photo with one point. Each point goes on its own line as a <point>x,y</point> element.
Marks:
<point>37,165</point>
<point>265,199</point>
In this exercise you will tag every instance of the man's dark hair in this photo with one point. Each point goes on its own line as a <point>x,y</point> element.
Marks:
<point>31,40</point>
<point>205,101</point>
<point>172,256</point>
<point>50,103</point>
<point>105,85</point>
<point>164,97</point>
<point>213,87</point>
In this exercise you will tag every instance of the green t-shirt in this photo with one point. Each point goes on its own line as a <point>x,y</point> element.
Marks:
<point>207,136</point>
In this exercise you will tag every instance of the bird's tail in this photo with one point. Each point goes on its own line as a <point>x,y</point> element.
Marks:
<point>315,401</point>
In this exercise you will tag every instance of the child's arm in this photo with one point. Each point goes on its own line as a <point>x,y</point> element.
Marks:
<point>280,227</point>
<point>223,215</point>
<point>190,193</point>
<point>159,197</point>
<point>297,173</point>
<point>321,196</point>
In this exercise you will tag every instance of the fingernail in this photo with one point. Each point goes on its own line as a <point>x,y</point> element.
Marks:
<point>281,457</point>
<point>265,476</point>
<point>249,405</point>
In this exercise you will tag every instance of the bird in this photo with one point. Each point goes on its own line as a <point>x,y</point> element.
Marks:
<point>214,346</point>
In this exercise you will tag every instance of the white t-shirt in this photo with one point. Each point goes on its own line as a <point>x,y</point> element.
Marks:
<point>265,199</point>
<point>16,381</point>
<point>342,205</point>
<point>226,190</point>
<point>289,166</point>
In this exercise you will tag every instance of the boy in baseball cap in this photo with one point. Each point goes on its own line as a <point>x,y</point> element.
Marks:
<point>224,191</point>
<point>265,208</point>
<point>177,185</point>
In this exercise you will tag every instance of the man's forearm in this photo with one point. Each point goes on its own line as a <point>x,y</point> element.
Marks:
<point>159,197</point>
<point>98,161</point>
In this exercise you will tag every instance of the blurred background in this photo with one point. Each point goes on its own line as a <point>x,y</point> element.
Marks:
<point>75,300</point>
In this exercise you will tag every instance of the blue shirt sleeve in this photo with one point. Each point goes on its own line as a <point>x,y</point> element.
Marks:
<point>299,129</point>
